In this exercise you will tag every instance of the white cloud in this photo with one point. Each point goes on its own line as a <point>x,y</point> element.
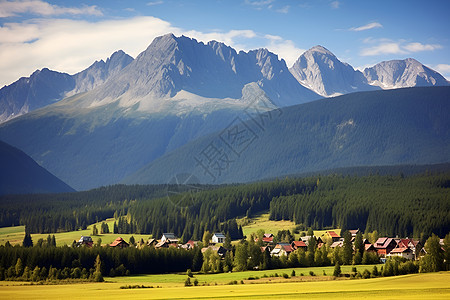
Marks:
<point>285,49</point>
<point>71,45</point>
<point>284,9</point>
<point>67,45</point>
<point>366,27</point>
<point>335,4</point>
<point>38,7</point>
<point>386,46</point>
<point>444,69</point>
<point>151,3</point>
<point>230,38</point>
<point>418,47</point>
<point>259,3</point>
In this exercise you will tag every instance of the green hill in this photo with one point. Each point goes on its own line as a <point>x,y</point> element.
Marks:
<point>404,126</point>
<point>20,174</point>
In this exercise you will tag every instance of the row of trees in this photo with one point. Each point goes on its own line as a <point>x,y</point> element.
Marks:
<point>40,263</point>
<point>44,261</point>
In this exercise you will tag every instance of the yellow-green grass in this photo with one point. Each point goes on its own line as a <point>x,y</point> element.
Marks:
<point>225,278</point>
<point>15,235</point>
<point>415,286</point>
<point>262,222</point>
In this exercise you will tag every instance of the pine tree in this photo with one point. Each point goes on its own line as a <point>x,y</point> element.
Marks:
<point>227,242</point>
<point>347,248</point>
<point>27,241</point>
<point>197,260</point>
<point>337,270</point>
<point>19,267</point>
<point>98,277</point>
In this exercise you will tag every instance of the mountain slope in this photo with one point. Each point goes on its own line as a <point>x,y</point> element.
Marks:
<point>404,126</point>
<point>321,71</point>
<point>22,175</point>
<point>99,72</point>
<point>176,90</point>
<point>45,86</point>
<point>42,88</point>
<point>403,73</point>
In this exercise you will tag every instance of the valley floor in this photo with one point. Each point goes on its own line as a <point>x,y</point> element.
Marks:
<point>415,286</point>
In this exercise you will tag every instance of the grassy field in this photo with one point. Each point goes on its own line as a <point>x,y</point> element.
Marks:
<point>174,280</point>
<point>261,221</point>
<point>15,235</point>
<point>415,286</point>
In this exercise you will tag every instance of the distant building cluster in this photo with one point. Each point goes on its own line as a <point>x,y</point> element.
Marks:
<point>384,247</point>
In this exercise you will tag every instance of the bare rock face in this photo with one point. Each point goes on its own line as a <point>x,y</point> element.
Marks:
<point>45,87</point>
<point>321,71</point>
<point>213,70</point>
<point>403,73</point>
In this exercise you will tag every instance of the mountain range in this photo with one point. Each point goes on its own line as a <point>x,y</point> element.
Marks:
<point>119,116</point>
<point>213,70</point>
<point>178,89</point>
<point>45,86</point>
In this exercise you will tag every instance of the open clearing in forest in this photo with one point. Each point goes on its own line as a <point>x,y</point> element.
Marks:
<point>15,235</point>
<point>414,286</point>
<point>261,221</point>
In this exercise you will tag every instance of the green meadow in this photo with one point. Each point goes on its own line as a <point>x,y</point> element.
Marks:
<point>15,235</point>
<point>415,286</point>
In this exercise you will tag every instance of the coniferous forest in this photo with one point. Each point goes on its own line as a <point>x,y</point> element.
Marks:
<point>416,205</point>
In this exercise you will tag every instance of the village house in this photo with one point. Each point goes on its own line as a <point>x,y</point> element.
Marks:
<point>170,237</point>
<point>119,243</point>
<point>189,245</point>
<point>333,236</point>
<point>85,241</point>
<point>218,238</point>
<point>404,252</point>
<point>152,242</point>
<point>354,232</point>
<point>268,238</point>
<point>282,249</point>
<point>369,248</point>
<point>299,245</point>
<point>339,244</point>
<point>217,249</point>
<point>306,239</point>
<point>384,246</point>
<point>162,244</point>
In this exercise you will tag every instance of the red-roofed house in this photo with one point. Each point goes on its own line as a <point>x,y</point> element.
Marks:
<point>299,245</point>
<point>189,245</point>
<point>334,236</point>
<point>384,246</point>
<point>119,243</point>
<point>282,249</point>
<point>354,232</point>
<point>369,248</point>
<point>404,252</point>
<point>267,239</point>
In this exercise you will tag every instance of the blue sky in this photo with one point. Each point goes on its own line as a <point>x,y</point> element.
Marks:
<point>68,36</point>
